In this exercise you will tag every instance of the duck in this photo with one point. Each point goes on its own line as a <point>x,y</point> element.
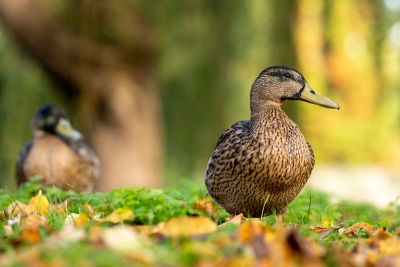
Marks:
<point>57,153</point>
<point>260,165</point>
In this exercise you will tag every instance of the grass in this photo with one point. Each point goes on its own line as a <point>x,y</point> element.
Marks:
<point>152,206</point>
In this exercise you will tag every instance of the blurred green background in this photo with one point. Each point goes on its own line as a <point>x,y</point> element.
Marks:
<point>186,68</point>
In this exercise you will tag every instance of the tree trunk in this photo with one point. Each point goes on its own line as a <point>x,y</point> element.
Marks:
<point>114,81</point>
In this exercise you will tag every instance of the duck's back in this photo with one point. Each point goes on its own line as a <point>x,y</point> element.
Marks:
<point>259,166</point>
<point>67,166</point>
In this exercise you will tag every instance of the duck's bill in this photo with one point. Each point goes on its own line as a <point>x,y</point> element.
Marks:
<point>65,129</point>
<point>309,95</point>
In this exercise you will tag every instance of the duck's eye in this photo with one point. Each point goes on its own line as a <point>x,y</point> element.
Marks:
<point>287,75</point>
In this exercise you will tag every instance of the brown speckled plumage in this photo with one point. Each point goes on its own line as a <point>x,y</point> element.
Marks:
<point>259,166</point>
<point>62,160</point>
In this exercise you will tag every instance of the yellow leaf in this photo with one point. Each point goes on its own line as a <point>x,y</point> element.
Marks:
<point>38,204</point>
<point>117,216</point>
<point>186,226</point>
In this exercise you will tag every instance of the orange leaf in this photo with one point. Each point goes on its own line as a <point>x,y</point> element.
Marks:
<point>30,234</point>
<point>205,204</point>
<point>382,234</point>
<point>81,219</point>
<point>250,229</point>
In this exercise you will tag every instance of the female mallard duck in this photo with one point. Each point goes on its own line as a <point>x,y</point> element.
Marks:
<point>57,153</point>
<point>259,166</point>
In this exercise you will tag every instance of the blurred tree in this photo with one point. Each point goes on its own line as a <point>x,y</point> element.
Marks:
<point>107,60</point>
<point>109,64</point>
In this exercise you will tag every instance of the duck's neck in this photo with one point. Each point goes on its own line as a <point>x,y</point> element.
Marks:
<point>269,114</point>
<point>257,106</point>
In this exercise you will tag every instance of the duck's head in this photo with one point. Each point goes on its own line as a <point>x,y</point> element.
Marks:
<point>279,83</point>
<point>52,119</point>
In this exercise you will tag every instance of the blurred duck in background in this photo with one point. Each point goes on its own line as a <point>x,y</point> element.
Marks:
<point>57,153</point>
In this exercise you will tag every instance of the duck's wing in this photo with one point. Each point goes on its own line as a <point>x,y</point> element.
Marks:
<point>88,155</point>
<point>19,167</point>
<point>230,158</point>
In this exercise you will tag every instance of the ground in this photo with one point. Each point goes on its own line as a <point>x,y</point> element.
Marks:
<point>44,226</point>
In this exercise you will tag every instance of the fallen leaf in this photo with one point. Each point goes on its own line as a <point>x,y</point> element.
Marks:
<point>62,207</point>
<point>144,229</point>
<point>300,245</point>
<point>70,233</point>
<point>381,234</point>
<point>34,221</point>
<point>15,209</point>
<point>81,219</point>
<point>238,219</point>
<point>205,204</point>
<point>30,234</point>
<point>38,204</point>
<point>357,227</point>
<point>76,219</point>
<point>186,226</point>
<point>250,229</point>
<point>323,231</point>
<point>117,216</point>
<point>88,210</point>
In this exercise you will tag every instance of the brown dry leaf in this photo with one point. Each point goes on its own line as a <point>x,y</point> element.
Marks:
<point>144,229</point>
<point>323,231</point>
<point>381,249</point>
<point>381,234</point>
<point>279,245</point>
<point>34,221</point>
<point>205,204</point>
<point>185,226</point>
<point>88,210</point>
<point>355,228</point>
<point>118,215</point>
<point>238,219</point>
<point>15,209</point>
<point>300,245</point>
<point>70,233</point>
<point>95,234</point>
<point>38,204</point>
<point>61,208</point>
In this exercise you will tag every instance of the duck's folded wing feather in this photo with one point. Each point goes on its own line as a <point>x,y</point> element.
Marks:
<point>231,154</point>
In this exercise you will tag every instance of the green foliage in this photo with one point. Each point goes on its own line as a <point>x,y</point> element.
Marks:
<point>151,206</point>
<point>312,207</point>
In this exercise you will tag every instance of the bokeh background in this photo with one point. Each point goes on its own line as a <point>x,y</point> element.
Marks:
<point>153,84</point>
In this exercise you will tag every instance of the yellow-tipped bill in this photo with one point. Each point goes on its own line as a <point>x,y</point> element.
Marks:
<point>309,95</point>
<point>64,128</point>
